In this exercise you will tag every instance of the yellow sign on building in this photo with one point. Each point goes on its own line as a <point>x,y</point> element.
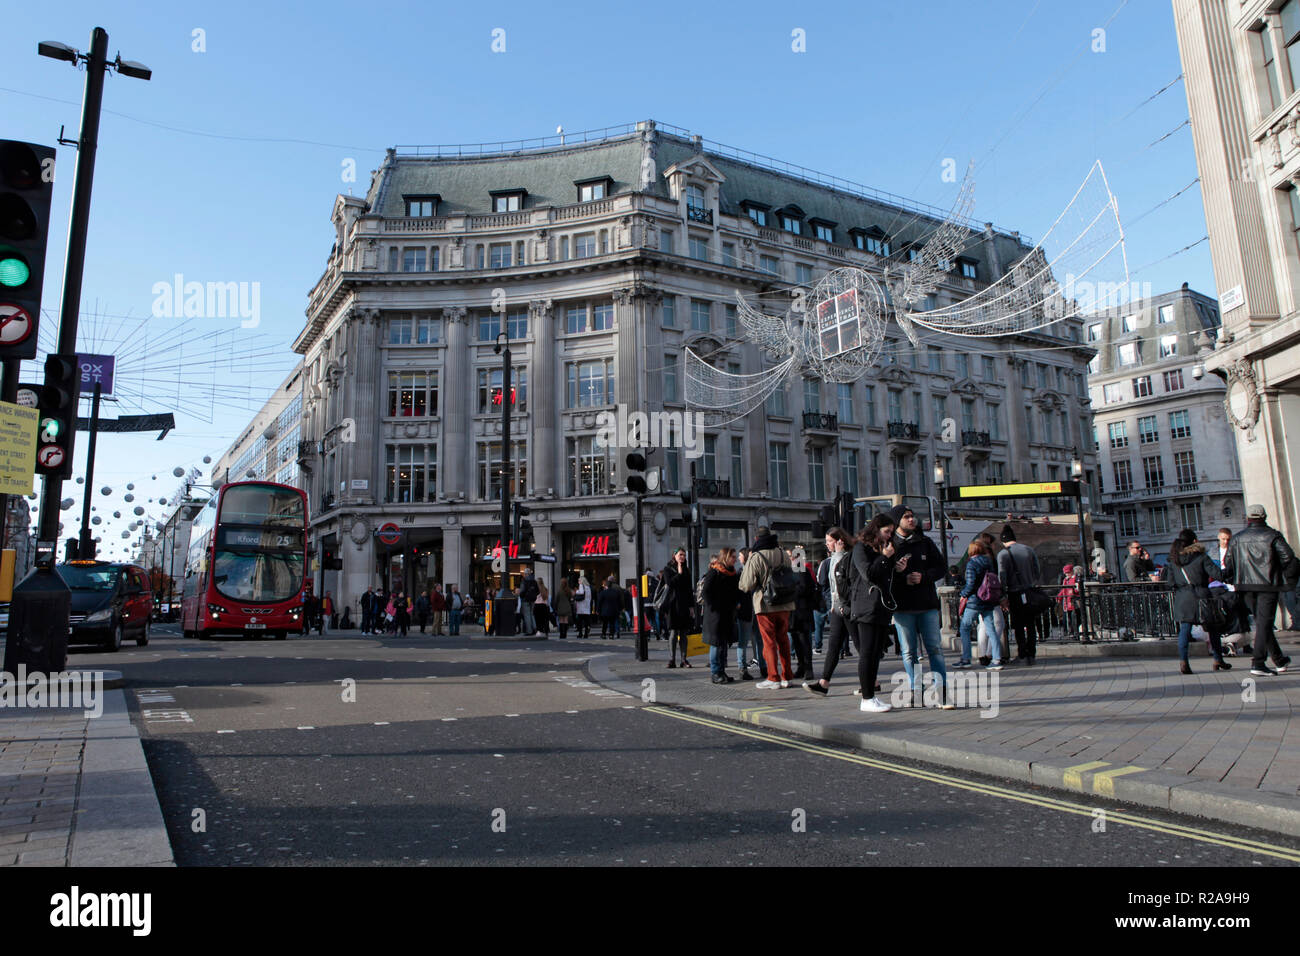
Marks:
<point>1010,491</point>
<point>17,448</point>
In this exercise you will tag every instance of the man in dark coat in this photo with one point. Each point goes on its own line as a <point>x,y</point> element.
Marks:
<point>918,567</point>
<point>720,589</point>
<point>609,605</point>
<point>1261,565</point>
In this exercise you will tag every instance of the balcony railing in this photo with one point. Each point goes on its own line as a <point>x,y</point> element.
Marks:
<point>821,421</point>
<point>712,487</point>
<point>908,431</point>
<point>306,449</point>
<point>326,503</point>
<point>976,439</point>
<point>699,214</point>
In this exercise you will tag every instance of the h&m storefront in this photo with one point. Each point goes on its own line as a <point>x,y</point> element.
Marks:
<point>592,553</point>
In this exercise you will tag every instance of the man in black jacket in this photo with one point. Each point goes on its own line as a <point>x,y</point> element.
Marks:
<point>918,567</point>
<point>1261,565</point>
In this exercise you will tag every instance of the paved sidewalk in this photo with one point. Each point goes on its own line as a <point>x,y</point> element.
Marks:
<point>76,791</point>
<point>1222,745</point>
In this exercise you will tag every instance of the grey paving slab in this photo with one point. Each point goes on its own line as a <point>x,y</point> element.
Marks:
<point>1188,743</point>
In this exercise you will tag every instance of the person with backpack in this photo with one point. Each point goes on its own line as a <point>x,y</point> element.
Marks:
<point>771,582</point>
<point>918,567</point>
<point>1018,571</point>
<point>982,593</point>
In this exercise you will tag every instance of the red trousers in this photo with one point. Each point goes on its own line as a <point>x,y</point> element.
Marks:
<point>775,629</point>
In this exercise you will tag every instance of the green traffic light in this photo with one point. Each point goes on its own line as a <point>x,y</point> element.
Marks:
<point>14,271</point>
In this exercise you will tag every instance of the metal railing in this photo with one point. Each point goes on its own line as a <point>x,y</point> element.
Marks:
<point>1103,613</point>
<point>821,421</point>
<point>975,439</point>
<point>908,430</point>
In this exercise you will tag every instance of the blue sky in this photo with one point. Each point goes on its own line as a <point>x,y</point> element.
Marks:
<point>224,167</point>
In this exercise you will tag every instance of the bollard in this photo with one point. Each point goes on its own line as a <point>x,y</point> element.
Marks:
<point>38,624</point>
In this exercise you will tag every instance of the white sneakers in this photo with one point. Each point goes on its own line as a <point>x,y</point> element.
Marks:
<point>871,705</point>
<point>767,685</point>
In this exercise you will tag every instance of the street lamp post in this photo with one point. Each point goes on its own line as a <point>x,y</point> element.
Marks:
<point>504,622</point>
<point>1081,569</point>
<point>939,483</point>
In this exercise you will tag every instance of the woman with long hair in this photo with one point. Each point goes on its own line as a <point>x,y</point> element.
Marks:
<point>870,608</point>
<point>836,597</point>
<point>564,608</point>
<point>972,606</point>
<point>720,588</point>
<point>680,606</point>
<point>1190,570</point>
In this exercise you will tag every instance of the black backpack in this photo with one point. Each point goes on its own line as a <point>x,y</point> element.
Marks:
<point>782,586</point>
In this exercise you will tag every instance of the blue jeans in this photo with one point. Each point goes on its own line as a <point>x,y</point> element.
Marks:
<point>990,625</point>
<point>746,637</point>
<point>819,625</point>
<point>530,625</point>
<point>718,659</point>
<point>915,626</point>
<point>453,622</point>
<point>1185,641</point>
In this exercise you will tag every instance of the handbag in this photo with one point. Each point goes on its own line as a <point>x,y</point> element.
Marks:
<point>1210,613</point>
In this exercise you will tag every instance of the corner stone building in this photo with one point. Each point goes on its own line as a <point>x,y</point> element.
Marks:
<point>608,258</point>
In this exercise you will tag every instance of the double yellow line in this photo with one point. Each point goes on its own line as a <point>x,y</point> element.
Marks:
<point>1050,803</point>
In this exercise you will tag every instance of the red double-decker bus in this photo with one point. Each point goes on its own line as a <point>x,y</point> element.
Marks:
<point>247,562</point>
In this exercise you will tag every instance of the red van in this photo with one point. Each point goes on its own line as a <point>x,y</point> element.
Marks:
<point>111,603</point>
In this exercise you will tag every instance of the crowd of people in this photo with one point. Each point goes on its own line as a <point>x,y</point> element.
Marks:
<point>874,591</point>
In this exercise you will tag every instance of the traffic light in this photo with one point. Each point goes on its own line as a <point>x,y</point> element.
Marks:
<point>688,507</point>
<point>641,478</point>
<point>58,416</point>
<point>329,559</point>
<point>517,523</point>
<point>26,186</point>
<point>846,511</point>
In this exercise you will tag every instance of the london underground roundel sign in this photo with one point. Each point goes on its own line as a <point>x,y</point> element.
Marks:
<point>389,533</point>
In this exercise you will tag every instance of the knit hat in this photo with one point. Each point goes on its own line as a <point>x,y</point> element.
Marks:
<point>1008,533</point>
<point>1069,569</point>
<point>764,539</point>
<point>897,513</point>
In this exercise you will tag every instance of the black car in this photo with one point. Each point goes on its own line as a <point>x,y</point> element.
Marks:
<point>110,603</point>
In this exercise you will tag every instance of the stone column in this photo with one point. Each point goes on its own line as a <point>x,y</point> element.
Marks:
<point>1017,437</point>
<point>455,564</point>
<point>629,317</point>
<point>362,454</point>
<point>454,388</point>
<point>541,399</point>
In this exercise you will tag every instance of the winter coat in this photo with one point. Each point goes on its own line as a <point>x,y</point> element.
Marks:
<point>1259,559</point>
<point>721,591</point>
<point>1190,573</point>
<point>582,598</point>
<point>976,568</point>
<point>422,605</point>
<point>1138,568</point>
<point>609,602</point>
<point>437,601</point>
<point>563,605</point>
<point>1017,568</point>
<point>528,590</point>
<point>806,601</point>
<point>754,578</point>
<point>1069,593</point>
<point>680,606</point>
<point>871,577</point>
<point>923,556</point>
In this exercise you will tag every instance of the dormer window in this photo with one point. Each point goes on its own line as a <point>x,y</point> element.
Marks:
<point>913,254</point>
<point>508,200</point>
<point>823,229</point>
<point>969,268</point>
<point>422,207</point>
<point>589,190</point>
<point>791,224</point>
<point>871,240</point>
<point>757,212</point>
<point>696,211</point>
